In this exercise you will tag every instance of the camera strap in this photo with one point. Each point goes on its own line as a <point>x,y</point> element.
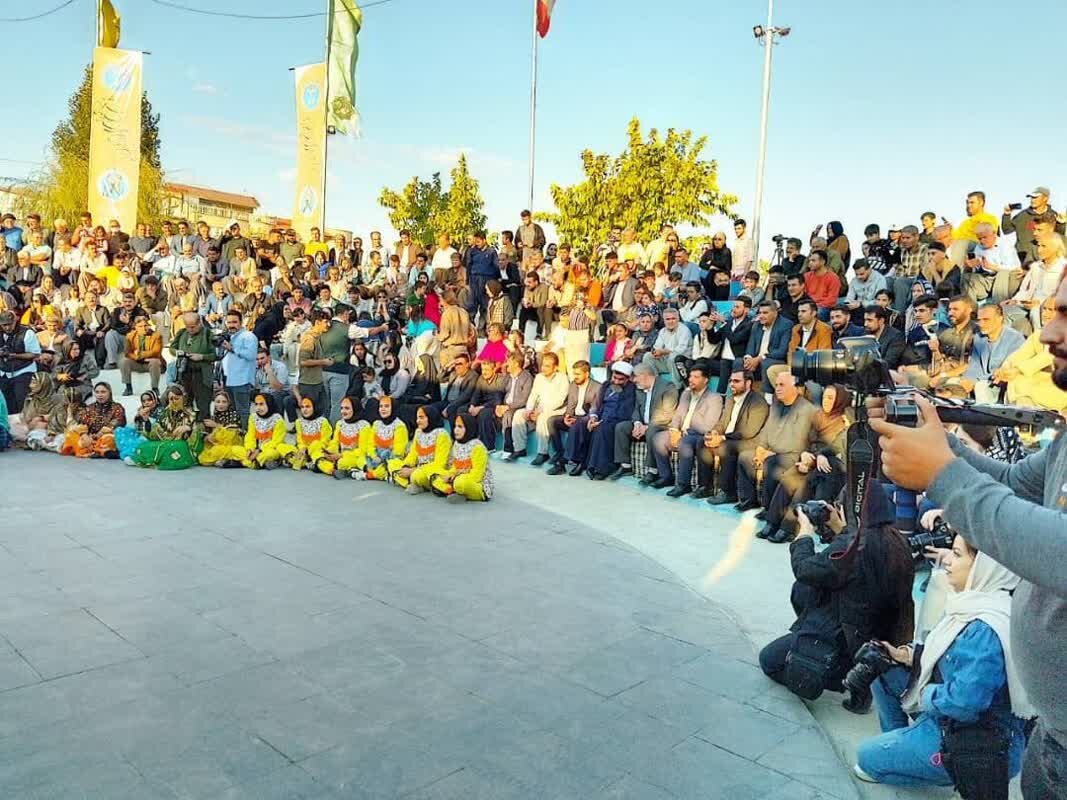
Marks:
<point>862,470</point>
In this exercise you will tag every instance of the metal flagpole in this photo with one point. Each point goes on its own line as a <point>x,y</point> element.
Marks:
<point>533,106</point>
<point>761,163</point>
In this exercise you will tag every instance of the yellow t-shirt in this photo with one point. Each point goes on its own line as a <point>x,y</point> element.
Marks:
<point>316,247</point>
<point>111,275</point>
<point>966,229</point>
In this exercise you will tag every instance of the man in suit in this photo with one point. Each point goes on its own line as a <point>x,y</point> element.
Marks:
<point>495,418</point>
<point>143,353</point>
<point>699,410</point>
<point>841,324</point>
<point>891,342</point>
<point>809,334</point>
<point>768,343</point>
<point>488,394</point>
<point>91,325</point>
<point>654,405</point>
<point>581,395</point>
<point>592,437</point>
<point>735,433</point>
<point>733,334</point>
<point>619,293</point>
<point>460,389</point>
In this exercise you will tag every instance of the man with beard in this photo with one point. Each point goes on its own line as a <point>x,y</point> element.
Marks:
<point>841,324</point>
<point>1017,515</point>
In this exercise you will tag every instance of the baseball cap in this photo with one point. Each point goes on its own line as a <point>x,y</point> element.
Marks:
<point>1039,190</point>
<point>623,368</point>
<point>8,216</point>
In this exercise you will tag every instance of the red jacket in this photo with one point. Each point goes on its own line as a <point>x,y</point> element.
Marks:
<point>823,289</point>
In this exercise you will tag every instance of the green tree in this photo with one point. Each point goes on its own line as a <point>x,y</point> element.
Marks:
<point>61,188</point>
<point>427,210</point>
<point>661,179</point>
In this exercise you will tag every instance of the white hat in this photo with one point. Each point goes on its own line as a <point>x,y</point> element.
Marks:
<point>623,368</point>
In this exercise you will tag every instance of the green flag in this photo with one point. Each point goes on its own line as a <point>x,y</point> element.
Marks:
<point>342,51</point>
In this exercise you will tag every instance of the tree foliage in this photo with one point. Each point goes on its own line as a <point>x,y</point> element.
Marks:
<point>426,209</point>
<point>661,179</point>
<point>61,188</point>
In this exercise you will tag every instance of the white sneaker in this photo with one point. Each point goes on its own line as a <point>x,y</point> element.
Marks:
<point>863,776</point>
<point>357,475</point>
<point>456,498</point>
<point>129,461</point>
<point>414,489</point>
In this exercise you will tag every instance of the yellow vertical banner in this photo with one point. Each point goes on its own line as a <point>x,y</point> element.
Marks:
<point>308,210</point>
<point>115,136</point>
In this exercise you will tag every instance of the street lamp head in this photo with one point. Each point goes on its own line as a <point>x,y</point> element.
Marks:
<point>783,32</point>
<point>758,31</point>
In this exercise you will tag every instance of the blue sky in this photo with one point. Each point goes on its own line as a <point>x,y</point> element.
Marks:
<point>879,110</point>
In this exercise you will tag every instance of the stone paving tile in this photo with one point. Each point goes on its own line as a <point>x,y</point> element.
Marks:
<point>470,784</point>
<point>630,788</point>
<point>810,760</point>
<point>289,783</point>
<point>15,671</point>
<point>630,661</point>
<point>698,769</point>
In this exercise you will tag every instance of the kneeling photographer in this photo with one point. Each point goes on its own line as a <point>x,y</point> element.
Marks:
<point>845,594</point>
<point>960,690</point>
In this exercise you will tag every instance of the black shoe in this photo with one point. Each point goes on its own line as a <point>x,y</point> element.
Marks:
<point>128,391</point>
<point>539,460</point>
<point>576,470</point>
<point>747,505</point>
<point>857,704</point>
<point>594,476</point>
<point>721,499</point>
<point>781,537</point>
<point>767,531</point>
<point>662,483</point>
<point>620,472</point>
<point>679,491</point>
<point>761,515</point>
<point>515,456</point>
<point>556,469</point>
<point>701,493</point>
<point>650,478</point>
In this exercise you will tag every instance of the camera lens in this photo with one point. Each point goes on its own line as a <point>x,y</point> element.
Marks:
<point>821,366</point>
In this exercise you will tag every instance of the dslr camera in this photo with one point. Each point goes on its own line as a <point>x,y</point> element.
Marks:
<point>871,662</point>
<point>941,536</point>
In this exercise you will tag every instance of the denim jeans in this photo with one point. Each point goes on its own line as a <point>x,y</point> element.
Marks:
<point>242,399</point>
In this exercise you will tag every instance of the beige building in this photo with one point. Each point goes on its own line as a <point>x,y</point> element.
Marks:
<point>217,209</point>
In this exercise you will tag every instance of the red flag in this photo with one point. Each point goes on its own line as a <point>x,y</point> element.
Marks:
<point>544,16</point>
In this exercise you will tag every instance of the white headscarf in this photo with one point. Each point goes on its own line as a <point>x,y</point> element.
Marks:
<point>985,597</point>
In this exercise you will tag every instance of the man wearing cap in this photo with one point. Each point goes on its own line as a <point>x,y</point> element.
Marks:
<point>292,248</point>
<point>231,240</point>
<point>19,349</point>
<point>1022,224</point>
<point>591,443</point>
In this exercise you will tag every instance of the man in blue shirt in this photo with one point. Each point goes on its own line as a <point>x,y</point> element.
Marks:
<point>483,268</point>
<point>239,362</point>
<point>11,232</point>
<point>995,342</point>
<point>690,270</point>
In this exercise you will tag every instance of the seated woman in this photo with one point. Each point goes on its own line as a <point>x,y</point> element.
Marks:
<point>313,433</point>
<point>618,341</point>
<point>223,433</point>
<point>42,405</point>
<point>344,456</point>
<point>75,368</point>
<point>264,445</point>
<point>425,385</point>
<point>130,437</point>
<point>820,472</point>
<point>388,440</point>
<point>428,454</point>
<point>174,441</point>
<point>468,476</point>
<point>964,682</point>
<point>92,434</point>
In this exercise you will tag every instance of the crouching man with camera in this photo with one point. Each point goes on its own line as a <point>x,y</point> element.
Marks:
<point>844,595</point>
<point>952,710</point>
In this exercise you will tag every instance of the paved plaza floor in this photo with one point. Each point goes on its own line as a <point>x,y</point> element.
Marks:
<point>228,634</point>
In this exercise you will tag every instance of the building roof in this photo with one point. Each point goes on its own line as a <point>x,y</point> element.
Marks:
<point>204,193</point>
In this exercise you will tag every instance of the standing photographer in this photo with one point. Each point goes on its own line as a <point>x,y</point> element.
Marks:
<point>194,364</point>
<point>239,346</point>
<point>1017,514</point>
<point>843,597</point>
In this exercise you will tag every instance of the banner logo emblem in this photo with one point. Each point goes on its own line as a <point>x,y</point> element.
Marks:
<point>113,185</point>
<point>309,201</point>
<point>312,96</point>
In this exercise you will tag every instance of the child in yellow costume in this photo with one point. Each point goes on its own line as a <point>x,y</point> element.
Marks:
<point>264,445</point>
<point>428,454</point>
<point>224,434</point>
<point>345,454</point>
<point>313,434</point>
<point>388,440</point>
<point>468,476</point>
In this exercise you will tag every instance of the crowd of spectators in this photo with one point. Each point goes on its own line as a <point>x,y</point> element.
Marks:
<point>413,363</point>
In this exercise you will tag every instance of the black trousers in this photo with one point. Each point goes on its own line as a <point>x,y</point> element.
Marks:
<point>772,660</point>
<point>728,452</point>
<point>557,427</point>
<point>795,487</point>
<point>488,427</point>
<point>15,391</point>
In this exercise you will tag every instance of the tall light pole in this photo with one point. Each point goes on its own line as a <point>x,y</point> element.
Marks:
<point>767,37</point>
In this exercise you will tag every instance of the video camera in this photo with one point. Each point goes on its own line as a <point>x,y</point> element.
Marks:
<point>858,364</point>
<point>778,238</point>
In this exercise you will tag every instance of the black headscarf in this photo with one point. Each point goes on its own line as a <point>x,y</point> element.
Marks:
<point>470,428</point>
<point>268,400</point>
<point>392,410</point>
<point>315,413</point>
<point>357,408</point>
<point>433,417</point>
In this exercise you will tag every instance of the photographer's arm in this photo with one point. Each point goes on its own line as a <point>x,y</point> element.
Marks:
<point>815,569</point>
<point>1026,478</point>
<point>977,674</point>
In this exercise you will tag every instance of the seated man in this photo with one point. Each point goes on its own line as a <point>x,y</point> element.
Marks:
<point>272,378</point>
<point>733,335</point>
<point>841,325</point>
<point>809,334</point>
<point>517,385</point>
<point>768,344</point>
<point>992,346</point>
<point>488,394</point>
<point>1028,371</point>
<point>457,396</point>
<point>917,353</point>
<point>673,340</point>
<point>654,405</point>
<point>735,433</point>
<point>698,412</point>
<point>144,353</point>
<point>779,443</point>
<point>547,400</point>
<point>581,394</point>
<point>595,431</point>
<point>890,341</point>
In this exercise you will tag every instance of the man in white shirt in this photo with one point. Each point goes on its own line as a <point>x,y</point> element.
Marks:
<point>743,251</point>
<point>547,400</point>
<point>441,262</point>
<point>694,306</point>
<point>630,249</point>
<point>992,271</point>
<point>377,246</point>
<point>92,261</point>
<point>673,340</point>
<point>40,254</point>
